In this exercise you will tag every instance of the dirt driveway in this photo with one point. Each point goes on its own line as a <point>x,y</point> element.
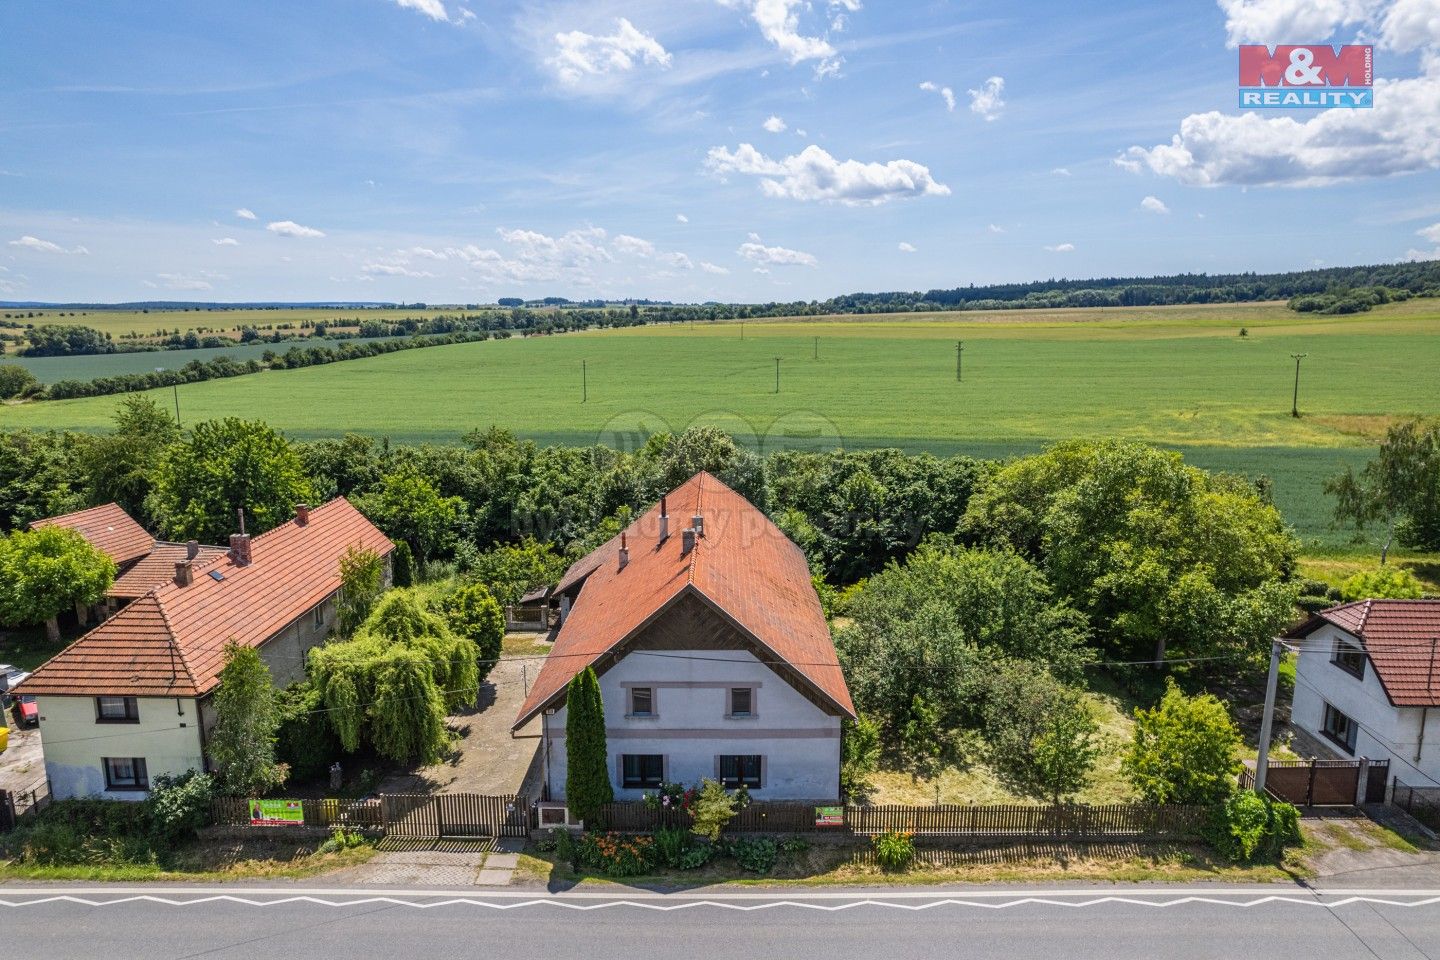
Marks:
<point>489,760</point>
<point>22,765</point>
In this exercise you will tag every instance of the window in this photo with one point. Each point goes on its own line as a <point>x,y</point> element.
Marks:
<point>641,769</point>
<point>1349,658</point>
<point>117,710</point>
<point>125,773</point>
<point>740,771</point>
<point>741,701</point>
<point>320,616</point>
<point>642,702</point>
<point>1339,728</point>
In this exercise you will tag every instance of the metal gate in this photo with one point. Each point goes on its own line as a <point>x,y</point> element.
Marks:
<point>432,816</point>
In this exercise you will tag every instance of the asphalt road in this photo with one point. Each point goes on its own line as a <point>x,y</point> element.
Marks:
<point>348,924</point>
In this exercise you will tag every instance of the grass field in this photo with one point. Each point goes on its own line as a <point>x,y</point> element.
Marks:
<point>124,323</point>
<point>1181,377</point>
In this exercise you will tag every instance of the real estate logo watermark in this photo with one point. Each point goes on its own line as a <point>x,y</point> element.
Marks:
<point>1316,76</point>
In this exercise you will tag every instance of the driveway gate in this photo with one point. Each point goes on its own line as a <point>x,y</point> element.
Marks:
<point>432,816</point>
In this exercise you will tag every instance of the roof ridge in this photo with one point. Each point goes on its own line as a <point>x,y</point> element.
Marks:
<point>699,512</point>
<point>76,513</point>
<point>1364,617</point>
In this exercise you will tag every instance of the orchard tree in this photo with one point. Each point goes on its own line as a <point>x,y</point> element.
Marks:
<point>1185,750</point>
<point>222,467</point>
<point>46,571</point>
<point>1042,738</point>
<point>242,742</point>
<point>587,765</point>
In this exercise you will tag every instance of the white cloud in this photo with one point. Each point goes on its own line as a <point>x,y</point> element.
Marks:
<point>995,228</point>
<point>45,246</point>
<point>946,94</point>
<point>779,23</point>
<point>1061,171</point>
<point>289,228</point>
<point>714,268</point>
<point>624,243</point>
<point>814,174</point>
<point>1290,21</point>
<point>906,247</point>
<point>225,242</point>
<point>1154,205</point>
<point>245,213</point>
<point>678,260</point>
<point>1431,233</point>
<point>681,218</point>
<point>987,101</point>
<point>426,253</point>
<point>754,250</point>
<point>393,270</point>
<point>774,124</point>
<point>537,257</point>
<point>434,9</point>
<point>1401,134</point>
<point>180,281</point>
<point>1061,248</point>
<point>1410,25</point>
<point>581,55</point>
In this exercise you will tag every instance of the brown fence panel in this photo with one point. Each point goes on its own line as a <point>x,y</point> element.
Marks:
<point>1422,803</point>
<point>410,815</point>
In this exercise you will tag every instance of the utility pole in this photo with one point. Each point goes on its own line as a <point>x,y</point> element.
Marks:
<point>584,382</point>
<point>1295,399</point>
<point>959,354</point>
<point>176,388</point>
<point>777,374</point>
<point>1262,761</point>
<point>817,348</point>
<point>742,329</point>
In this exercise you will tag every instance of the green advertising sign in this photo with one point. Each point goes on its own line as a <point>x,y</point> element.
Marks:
<point>829,816</point>
<point>276,813</point>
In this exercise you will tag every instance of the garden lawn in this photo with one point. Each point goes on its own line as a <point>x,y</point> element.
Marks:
<point>1181,377</point>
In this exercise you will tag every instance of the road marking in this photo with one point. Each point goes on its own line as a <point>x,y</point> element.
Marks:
<point>669,903</point>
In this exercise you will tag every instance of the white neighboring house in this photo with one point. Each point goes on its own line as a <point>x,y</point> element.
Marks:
<point>1367,684</point>
<point>131,699</point>
<point>714,657</point>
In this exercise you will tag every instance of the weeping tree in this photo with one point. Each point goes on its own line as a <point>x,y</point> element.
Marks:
<point>361,580</point>
<point>587,769</point>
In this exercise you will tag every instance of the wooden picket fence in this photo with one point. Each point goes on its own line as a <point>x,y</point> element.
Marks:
<point>360,814</point>
<point>997,821</point>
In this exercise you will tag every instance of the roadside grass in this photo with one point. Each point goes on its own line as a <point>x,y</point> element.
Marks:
<point>206,861</point>
<point>1178,377</point>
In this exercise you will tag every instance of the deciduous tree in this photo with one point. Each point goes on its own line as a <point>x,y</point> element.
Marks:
<point>242,742</point>
<point>46,571</point>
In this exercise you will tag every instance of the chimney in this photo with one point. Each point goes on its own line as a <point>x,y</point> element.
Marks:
<point>664,521</point>
<point>302,513</point>
<point>184,573</point>
<point>687,540</point>
<point>698,522</point>
<point>624,552</point>
<point>240,549</point>
<point>192,549</point>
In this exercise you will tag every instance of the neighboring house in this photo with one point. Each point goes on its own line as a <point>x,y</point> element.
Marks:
<point>142,563</point>
<point>131,699</point>
<point>1367,684</point>
<point>714,657</point>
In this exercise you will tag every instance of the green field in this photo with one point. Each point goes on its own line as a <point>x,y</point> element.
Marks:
<point>125,323</point>
<point>92,366</point>
<point>1181,377</point>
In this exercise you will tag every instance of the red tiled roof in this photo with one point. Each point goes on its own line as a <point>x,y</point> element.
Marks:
<point>1401,638</point>
<point>171,641</point>
<point>744,566</point>
<point>155,568</point>
<point>107,528</point>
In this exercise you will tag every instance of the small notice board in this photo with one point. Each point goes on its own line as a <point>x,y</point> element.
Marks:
<point>829,816</point>
<point>276,813</point>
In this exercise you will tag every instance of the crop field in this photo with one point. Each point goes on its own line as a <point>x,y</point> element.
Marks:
<point>1180,377</point>
<point>142,323</point>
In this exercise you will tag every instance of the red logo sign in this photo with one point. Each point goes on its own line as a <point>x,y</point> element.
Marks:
<point>1306,66</point>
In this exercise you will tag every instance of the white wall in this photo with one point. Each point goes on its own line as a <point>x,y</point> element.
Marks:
<point>799,741</point>
<point>1385,731</point>
<point>74,743</point>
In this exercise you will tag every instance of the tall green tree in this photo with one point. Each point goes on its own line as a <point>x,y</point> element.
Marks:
<point>118,465</point>
<point>587,766</point>
<point>15,380</point>
<point>44,572</point>
<point>1399,490</point>
<point>406,506</point>
<point>222,467</point>
<point>242,742</point>
<point>474,615</point>
<point>1186,750</point>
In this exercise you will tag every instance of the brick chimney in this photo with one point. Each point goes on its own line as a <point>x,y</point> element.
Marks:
<point>302,513</point>
<point>240,549</point>
<point>184,573</point>
<point>664,521</point>
<point>687,540</point>
<point>192,549</point>
<point>698,523</point>
<point>624,552</point>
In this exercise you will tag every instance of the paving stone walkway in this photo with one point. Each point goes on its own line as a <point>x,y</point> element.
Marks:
<point>442,864</point>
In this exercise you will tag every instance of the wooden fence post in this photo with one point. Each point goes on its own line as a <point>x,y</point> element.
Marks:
<point>1310,788</point>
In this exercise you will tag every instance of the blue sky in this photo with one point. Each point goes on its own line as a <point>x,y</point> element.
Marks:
<point>464,150</point>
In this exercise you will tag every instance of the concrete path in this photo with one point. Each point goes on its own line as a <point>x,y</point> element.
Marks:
<point>439,863</point>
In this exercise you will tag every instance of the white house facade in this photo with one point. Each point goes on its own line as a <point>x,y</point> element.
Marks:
<point>1367,685</point>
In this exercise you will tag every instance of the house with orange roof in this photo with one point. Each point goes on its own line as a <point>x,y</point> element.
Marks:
<point>142,563</point>
<point>131,699</point>
<point>1367,685</point>
<point>714,657</point>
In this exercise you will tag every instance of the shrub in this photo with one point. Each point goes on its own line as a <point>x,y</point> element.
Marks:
<point>1184,750</point>
<point>342,839</point>
<point>895,849</point>
<point>712,809</point>
<point>616,855</point>
<point>305,740</point>
<point>695,856</point>
<point>179,806</point>
<point>671,844</point>
<point>755,854</point>
<point>1249,826</point>
<point>859,754</point>
<point>473,614</point>
<point>1391,583</point>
